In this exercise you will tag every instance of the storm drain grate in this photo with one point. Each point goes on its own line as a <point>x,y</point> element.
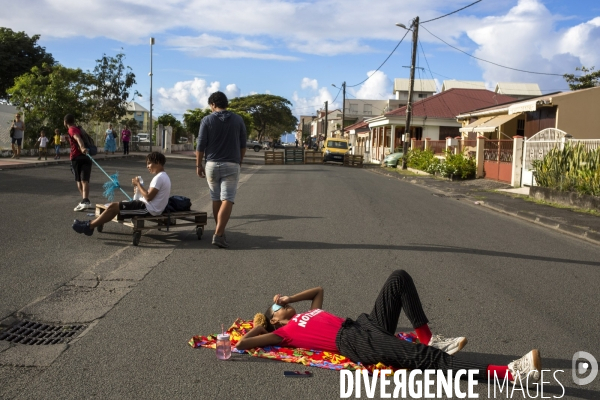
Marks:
<point>35,333</point>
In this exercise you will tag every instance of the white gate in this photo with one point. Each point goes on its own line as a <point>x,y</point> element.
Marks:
<point>536,147</point>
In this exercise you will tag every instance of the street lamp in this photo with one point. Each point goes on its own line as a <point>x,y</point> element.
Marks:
<point>150,74</point>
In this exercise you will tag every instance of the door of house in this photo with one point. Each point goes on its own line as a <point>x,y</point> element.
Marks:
<point>498,159</point>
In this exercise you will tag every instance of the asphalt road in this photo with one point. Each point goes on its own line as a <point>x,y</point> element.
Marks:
<point>507,285</point>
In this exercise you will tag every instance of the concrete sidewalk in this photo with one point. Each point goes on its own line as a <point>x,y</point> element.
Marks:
<point>502,198</point>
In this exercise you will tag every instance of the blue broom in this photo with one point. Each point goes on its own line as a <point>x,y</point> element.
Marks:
<point>111,185</point>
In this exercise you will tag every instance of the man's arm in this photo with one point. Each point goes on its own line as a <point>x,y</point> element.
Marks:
<point>147,194</point>
<point>242,154</point>
<point>79,141</point>
<point>199,168</point>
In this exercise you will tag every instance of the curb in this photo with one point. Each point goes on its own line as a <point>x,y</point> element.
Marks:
<point>57,162</point>
<point>571,230</point>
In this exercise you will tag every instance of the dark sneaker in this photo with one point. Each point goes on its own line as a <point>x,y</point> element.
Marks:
<point>82,227</point>
<point>220,241</point>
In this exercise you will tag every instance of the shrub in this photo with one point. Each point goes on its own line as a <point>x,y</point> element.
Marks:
<point>570,169</point>
<point>455,164</point>
<point>422,160</point>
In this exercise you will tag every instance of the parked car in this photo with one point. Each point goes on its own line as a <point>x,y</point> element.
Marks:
<point>256,146</point>
<point>334,149</point>
<point>277,145</point>
<point>142,138</point>
<point>392,160</point>
<point>183,140</point>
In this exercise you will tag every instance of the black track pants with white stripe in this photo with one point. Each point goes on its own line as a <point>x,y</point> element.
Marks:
<point>370,339</point>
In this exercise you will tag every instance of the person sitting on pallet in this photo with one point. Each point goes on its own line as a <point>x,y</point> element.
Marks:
<point>153,201</point>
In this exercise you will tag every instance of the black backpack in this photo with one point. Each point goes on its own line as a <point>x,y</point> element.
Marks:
<point>178,203</point>
<point>88,142</point>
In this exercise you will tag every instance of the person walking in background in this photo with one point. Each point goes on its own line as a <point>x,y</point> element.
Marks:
<point>125,138</point>
<point>81,164</point>
<point>17,137</point>
<point>57,142</point>
<point>43,145</point>
<point>109,140</point>
<point>222,139</point>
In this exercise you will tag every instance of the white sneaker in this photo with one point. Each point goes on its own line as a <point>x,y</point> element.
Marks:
<point>529,365</point>
<point>83,206</point>
<point>448,345</point>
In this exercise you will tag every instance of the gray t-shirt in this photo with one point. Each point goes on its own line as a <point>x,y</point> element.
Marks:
<point>222,135</point>
<point>18,129</point>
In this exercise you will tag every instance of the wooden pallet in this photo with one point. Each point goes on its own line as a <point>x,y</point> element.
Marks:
<point>353,161</point>
<point>166,220</point>
<point>274,158</point>
<point>313,157</point>
<point>294,155</point>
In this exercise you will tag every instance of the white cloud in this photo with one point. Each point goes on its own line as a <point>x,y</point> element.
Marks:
<point>309,105</point>
<point>187,95</point>
<point>377,87</point>
<point>526,38</point>
<point>309,83</point>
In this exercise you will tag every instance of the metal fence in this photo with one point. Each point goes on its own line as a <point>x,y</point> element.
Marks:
<point>498,150</point>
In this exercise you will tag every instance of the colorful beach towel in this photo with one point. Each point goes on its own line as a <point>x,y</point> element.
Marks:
<point>312,358</point>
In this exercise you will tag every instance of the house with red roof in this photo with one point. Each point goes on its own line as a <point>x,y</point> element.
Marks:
<point>433,118</point>
<point>358,134</point>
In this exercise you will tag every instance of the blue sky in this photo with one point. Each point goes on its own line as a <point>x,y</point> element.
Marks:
<point>298,49</point>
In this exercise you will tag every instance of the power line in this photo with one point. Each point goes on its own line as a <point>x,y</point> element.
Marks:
<point>388,57</point>
<point>453,12</point>
<point>429,69</point>
<point>498,65</point>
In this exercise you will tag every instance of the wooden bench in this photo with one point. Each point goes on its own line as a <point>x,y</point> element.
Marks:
<point>179,219</point>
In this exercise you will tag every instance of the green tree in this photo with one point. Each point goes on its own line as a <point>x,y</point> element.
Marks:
<point>112,88</point>
<point>48,93</point>
<point>18,54</point>
<point>192,119</point>
<point>589,79</point>
<point>170,120</point>
<point>270,114</point>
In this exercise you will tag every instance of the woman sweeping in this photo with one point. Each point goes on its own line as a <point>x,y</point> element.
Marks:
<point>370,338</point>
<point>110,144</point>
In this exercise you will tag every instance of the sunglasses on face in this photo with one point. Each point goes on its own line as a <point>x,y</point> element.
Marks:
<point>276,307</point>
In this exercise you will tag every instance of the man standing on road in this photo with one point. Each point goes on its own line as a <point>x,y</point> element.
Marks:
<point>222,138</point>
<point>81,165</point>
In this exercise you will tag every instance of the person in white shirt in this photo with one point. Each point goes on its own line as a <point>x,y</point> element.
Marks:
<point>43,150</point>
<point>153,201</point>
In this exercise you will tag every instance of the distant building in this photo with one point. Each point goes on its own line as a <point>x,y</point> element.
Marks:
<point>422,89</point>
<point>140,114</point>
<point>454,84</point>
<point>520,91</point>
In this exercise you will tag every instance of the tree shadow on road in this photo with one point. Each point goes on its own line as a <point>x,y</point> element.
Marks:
<point>245,241</point>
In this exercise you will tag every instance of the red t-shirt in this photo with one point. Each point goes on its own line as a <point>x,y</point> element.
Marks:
<point>315,329</point>
<point>75,150</point>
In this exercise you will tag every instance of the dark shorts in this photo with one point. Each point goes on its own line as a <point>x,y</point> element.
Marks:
<point>16,141</point>
<point>133,208</point>
<point>81,166</point>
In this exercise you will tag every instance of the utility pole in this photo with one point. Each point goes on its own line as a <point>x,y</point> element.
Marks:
<point>326,126</point>
<point>415,28</point>
<point>151,44</point>
<point>343,106</point>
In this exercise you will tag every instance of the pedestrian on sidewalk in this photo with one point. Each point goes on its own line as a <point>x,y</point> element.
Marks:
<point>109,140</point>
<point>152,202</point>
<point>57,141</point>
<point>370,338</point>
<point>17,137</point>
<point>125,138</point>
<point>222,139</point>
<point>43,143</point>
<point>81,164</point>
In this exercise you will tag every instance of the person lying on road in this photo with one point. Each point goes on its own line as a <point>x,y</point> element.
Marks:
<point>370,338</point>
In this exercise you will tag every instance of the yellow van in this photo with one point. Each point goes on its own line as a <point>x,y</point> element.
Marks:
<point>334,149</point>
